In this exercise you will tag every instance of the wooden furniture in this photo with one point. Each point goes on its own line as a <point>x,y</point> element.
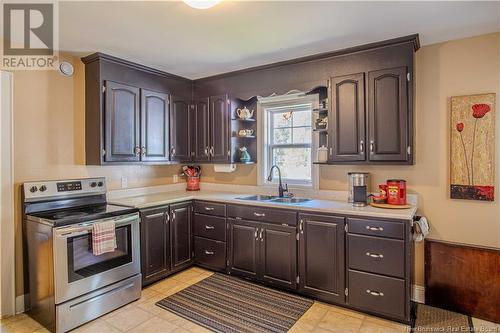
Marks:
<point>367,93</point>
<point>166,240</point>
<point>210,235</point>
<point>463,278</point>
<point>360,263</point>
<point>127,112</point>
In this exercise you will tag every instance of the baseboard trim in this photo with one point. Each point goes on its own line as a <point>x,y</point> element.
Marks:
<point>418,293</point>
<point>20,307</point>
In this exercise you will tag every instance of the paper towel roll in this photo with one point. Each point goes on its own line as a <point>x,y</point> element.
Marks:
<point>224,167</point>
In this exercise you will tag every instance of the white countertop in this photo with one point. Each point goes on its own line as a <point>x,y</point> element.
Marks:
<point>315,205</point>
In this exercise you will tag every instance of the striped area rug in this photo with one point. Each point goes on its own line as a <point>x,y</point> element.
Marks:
<point>227,304</point>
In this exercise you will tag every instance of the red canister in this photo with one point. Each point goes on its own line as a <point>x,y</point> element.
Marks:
<point>396,192</point>
<point>193,183</point>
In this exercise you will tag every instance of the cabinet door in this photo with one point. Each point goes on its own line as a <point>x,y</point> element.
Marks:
<point>181,234</point>
<point>347,131</point>
<point>155,131</point>
<point>121,123</point>
<point>244,247</point>
<point>388,114</point>
<point>278,255</point>
<point>200,125</point>
<point>180,147</point>
<point>219,128</point>
<point>321,257</point>
<point>155,244</point>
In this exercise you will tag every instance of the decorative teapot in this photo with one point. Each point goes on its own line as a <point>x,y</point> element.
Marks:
<point>244,113</point>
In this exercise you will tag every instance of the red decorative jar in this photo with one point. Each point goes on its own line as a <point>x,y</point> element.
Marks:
<point>396,192</point>
<point>193,183</point>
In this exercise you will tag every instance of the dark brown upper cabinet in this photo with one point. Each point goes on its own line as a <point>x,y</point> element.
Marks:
<point>180,149</point>
<point>122,120</point>
<point>181,234</point>
<point>155,126</point>
<point>347,130</point>
<point>127,110</point>
<point>219,128</point>
<point>321,257</point>
<point>200,139</point>
<point>210,130</point>
<point>388,127</point>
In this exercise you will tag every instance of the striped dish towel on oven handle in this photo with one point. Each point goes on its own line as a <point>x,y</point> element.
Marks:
<point>103,237</point>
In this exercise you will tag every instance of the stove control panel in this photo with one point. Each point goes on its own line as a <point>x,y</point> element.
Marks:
<point>35,191</point>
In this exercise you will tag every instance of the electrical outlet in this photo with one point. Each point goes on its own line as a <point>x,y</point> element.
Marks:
<point>175,178</point>
<point>124,182</point>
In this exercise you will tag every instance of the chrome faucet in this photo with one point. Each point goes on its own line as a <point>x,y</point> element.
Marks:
<point>281,189</point>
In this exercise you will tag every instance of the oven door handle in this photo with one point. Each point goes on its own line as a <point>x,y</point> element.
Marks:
<point>85,228</point>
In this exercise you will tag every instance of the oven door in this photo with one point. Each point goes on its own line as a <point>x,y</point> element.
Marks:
<point>78,271</point>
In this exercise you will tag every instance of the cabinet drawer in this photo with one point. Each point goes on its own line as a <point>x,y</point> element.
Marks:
<point>376,255</point>
<point>212,227</point>
<point>210,208</point>
<point>380,294</point>
<point>210,253</point>
<point>253,213</point>
<point>391,229</point>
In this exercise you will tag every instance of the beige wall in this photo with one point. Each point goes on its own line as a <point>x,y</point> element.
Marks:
<point>49,141</point>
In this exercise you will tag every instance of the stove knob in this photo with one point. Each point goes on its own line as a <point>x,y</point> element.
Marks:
<point>100,184</point>
<point>33,189</point>
<point>93,184</point>
<point>43,188</point>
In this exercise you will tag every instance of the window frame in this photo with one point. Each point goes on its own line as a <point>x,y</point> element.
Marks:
<point>270,130</point>
<point>290,98</point>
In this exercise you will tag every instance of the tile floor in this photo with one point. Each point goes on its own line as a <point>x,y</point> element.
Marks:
<point>145,317</point>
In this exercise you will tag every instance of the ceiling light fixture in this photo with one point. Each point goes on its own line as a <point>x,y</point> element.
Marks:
<point>201,4</point>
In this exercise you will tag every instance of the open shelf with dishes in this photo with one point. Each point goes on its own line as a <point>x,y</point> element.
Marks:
<point>320,124</point>
<point>244,131</point>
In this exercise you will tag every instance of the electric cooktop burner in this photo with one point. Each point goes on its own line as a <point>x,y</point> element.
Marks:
<point>82,214</point>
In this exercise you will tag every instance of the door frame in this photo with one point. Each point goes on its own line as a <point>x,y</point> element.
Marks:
<point>7,247</point>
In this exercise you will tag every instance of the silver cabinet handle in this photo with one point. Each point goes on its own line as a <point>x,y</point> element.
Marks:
<point>209,252</point>
<point>259,214</point>
<point>172,151</point>
<point>154,215</point>
<point>256,234</point>
<point>374,293</point>
<point>207,153</point>
<point>209,209</point>
<point>212,150</point>
<point>301,226</point>
<point>262,234</point>
<point>137,150</point>
<point>209,227</point>
<point>361,147</point>
<point>143,151</point>
<point>173,216</point>
<point>372,146</point>
<point>167,218</point>
<point>374,228</point>
<point>374,255</point>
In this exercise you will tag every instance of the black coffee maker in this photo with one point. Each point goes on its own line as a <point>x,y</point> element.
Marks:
<point>359,188</point>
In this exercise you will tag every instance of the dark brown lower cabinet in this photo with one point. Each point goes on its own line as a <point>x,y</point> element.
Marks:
<point>181,234</point>
<point>278,255</point>
<point>321,257</point>
<point>263,251</point>
<point>166,240</point>
<point>244,248</point>
<point>155,244</point>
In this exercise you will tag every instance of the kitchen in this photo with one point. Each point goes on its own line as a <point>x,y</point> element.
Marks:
<point>72,127</point>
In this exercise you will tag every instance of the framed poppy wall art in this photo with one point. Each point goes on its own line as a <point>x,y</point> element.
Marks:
<point>473,147</point>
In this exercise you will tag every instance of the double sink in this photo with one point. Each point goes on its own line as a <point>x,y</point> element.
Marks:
<point>274,199</point>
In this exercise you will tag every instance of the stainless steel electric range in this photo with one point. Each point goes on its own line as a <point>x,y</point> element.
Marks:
<point>69,285</point>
